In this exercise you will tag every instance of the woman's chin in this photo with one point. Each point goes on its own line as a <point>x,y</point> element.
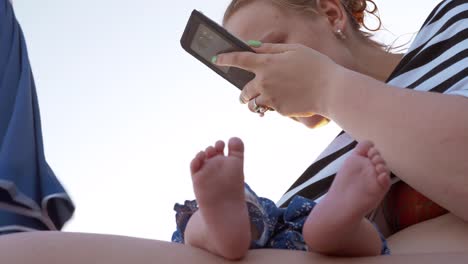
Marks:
<point>314,121</point>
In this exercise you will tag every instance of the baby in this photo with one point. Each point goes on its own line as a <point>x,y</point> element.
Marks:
<point>229,218</point>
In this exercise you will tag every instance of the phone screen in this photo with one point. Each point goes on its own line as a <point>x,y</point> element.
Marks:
<point>203,38</point>
<point>208,44</point>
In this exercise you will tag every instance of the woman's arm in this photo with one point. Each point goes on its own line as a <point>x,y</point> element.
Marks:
<point>423,136</point>
<point>54,247</point>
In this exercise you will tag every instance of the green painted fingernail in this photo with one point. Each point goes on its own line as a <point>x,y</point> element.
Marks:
<point>254,43</point>
<point>214,59</point>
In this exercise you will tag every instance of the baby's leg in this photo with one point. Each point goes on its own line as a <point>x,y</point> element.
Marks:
<point>221,225</point>
<point>337,224</point>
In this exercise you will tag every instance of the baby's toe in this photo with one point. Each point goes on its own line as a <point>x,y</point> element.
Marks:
<point>384,180</point>
<point>381,169</point>
<point>377,160</point>
<point>372,152</point>
<point>362,148</point>
<point>236,147</point>
<point>219,147</point>
<point>197,162</point>
<point>210,152</point>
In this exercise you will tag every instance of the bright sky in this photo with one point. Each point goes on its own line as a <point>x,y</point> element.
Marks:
<point>124,109</point>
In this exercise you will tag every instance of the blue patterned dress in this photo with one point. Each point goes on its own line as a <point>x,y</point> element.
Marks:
<point>280,228</point>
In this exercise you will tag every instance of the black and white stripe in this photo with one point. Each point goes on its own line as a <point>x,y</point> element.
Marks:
<point>437,61</point>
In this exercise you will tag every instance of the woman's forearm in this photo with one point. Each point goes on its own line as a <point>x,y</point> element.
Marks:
<point>423,136</point>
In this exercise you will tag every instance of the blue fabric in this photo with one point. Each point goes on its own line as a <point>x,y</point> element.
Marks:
<point>280,228</point>
<point>28,186</point>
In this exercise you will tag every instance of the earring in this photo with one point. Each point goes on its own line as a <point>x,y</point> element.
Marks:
<point>339,34</point>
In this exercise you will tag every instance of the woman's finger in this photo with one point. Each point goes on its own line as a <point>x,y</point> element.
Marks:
<point>249,92</point>
<point>245,60</point>
<point>273,48</point>
<point>257,105</point>
<point>251,61</point>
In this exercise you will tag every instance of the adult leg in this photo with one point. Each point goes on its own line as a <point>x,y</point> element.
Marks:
<point>72,248</point>
<point>446,233</point>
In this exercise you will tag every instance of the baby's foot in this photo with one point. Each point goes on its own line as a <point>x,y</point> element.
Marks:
<point>363,180</point>
<point>218,182</point>
<point>358,188</point>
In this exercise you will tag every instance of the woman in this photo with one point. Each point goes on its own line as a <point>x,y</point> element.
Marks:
<point>348,87</point>
<point>300,82</point>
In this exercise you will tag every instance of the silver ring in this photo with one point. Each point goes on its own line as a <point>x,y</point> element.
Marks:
<point>261,110</point>
<point>258,108</point>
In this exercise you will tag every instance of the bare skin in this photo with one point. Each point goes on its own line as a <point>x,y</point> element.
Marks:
<point>74,248</point>
<point>218,181</point>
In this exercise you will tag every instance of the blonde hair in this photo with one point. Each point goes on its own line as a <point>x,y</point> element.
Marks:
<point>356,10</point>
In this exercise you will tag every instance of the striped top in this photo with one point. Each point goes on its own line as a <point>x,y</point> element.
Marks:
<point>436,61</point>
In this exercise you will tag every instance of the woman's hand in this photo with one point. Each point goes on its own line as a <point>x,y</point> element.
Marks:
<point>292,79</point>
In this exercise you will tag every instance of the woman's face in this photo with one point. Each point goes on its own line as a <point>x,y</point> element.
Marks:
<point>264,21</point>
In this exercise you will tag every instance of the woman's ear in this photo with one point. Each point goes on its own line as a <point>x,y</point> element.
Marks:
<point>334,12</point>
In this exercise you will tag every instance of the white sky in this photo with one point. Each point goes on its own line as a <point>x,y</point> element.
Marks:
<point>124,109</point>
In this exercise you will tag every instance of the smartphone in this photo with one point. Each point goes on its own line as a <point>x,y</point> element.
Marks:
<point>203,38</point>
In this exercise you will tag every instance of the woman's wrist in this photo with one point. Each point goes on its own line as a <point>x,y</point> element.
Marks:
<point>337,81</point>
